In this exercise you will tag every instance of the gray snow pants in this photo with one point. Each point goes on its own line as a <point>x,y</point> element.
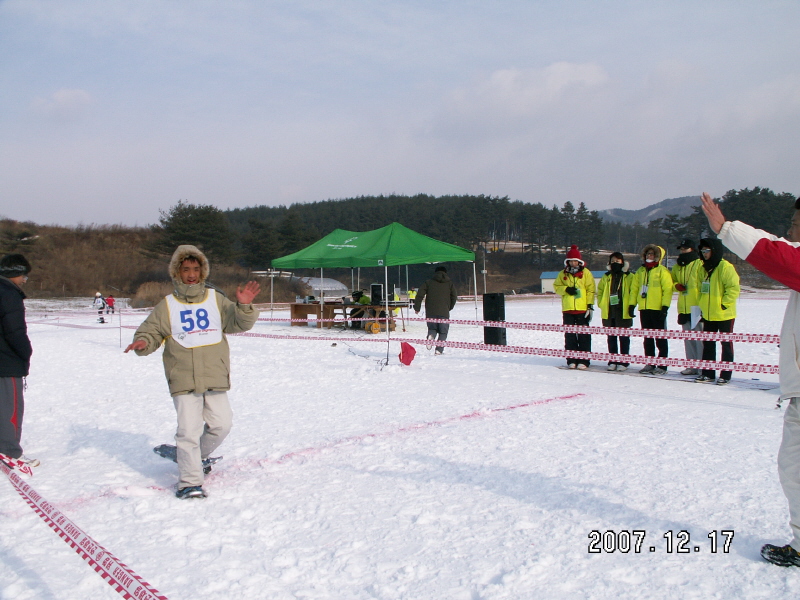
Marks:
<point>12,407</point>
<point>693,348</point>
<point>789,467</point>
<point>204,421</point>
<point>438,329</point>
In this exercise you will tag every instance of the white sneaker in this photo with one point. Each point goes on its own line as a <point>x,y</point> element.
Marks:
<point>31,462</point>
<point>582,367</point>
<point>429,343</point>
<point>611,367</point>
<point>622,367</point>
<point>572,366</point>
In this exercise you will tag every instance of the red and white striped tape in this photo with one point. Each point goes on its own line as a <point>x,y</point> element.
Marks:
<point>116,573</point>
<point>603,356</point>
<point>670,334</point>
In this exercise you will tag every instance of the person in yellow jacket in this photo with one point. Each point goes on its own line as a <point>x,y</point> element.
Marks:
<point>717,284</point>
<point>686,267</point>
<point>575,285</point>
<point>614,299</point>
<point>652,288</point>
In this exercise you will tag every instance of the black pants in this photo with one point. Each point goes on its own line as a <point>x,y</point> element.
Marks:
<point>710,347</point>
<point>618,344</point>
<point>577,341</point>
<point>654,319</point>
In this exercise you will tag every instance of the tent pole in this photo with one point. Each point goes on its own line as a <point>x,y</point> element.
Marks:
<point>352,280</point>
<point>386,305</point>
<point>407,288</point>
<point>475,283</point>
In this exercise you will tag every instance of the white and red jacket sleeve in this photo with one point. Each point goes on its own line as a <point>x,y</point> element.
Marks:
<point>775,257</point>
<point>779,259</point>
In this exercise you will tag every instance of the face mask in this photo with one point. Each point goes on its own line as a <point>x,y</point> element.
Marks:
<point>649,260</point>
<point>616,268</point>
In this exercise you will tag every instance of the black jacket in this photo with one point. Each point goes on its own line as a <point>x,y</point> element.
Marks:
<point>15,347</point>
<point>439,294</point>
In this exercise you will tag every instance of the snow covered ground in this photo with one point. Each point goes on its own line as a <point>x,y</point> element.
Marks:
<point>471,475</point>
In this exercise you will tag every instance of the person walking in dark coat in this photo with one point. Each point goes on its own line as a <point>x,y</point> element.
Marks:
<point>15,355</point>
<point>440,297</point>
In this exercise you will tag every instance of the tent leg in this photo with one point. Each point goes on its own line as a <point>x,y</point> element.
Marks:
<point>475,283</point>
<point>386,305</point>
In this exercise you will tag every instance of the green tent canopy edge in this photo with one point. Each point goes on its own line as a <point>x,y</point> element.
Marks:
<point>387,246</point>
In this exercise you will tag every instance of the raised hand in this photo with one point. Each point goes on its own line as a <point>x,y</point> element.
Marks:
<point>246,294</point>
<point>713,213</point>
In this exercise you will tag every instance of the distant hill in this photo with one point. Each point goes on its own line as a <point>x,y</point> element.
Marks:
<point>672,206</point>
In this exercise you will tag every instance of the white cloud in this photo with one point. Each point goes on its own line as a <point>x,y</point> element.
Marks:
<point>526,92</point>
<point>64,105</point>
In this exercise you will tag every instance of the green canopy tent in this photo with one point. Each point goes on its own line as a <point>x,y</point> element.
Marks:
<point>388,246</point>
<point>392,245</point>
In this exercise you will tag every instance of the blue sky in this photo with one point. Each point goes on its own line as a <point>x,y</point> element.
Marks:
<point>111,110</point>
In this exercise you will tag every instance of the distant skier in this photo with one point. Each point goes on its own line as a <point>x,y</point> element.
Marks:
<point>780,259</point>
<point>100,304</point>
<point>110,302</point>
<point>191,323</point>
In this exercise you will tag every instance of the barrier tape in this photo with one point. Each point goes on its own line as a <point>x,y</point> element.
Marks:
<point>602,356</point>
<point>670,334</point>
<point>114,572</point>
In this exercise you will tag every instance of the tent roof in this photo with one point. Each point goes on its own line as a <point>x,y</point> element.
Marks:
<point>388,246</point>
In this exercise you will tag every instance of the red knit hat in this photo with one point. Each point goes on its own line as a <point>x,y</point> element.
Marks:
<point>574,254</point>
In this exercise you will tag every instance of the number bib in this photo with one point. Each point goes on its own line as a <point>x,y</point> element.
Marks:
<point>195,325</point>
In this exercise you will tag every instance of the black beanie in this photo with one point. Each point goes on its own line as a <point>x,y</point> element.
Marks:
<point>14,265</point>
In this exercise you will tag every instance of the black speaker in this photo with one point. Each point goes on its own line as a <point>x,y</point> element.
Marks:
<point>494,309</point>
<point>376,294</point>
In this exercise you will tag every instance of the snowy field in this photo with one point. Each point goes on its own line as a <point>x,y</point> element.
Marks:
<point>472,475</point>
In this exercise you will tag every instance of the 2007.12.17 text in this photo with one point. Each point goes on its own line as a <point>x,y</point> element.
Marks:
<point>625,541</point>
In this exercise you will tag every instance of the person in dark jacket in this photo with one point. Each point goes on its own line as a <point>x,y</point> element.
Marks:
<point>440,297</point>
<point>15,355</point>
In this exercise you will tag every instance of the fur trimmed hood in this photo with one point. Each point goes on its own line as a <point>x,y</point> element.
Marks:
<point>181,254</point>
<point>659,251</point>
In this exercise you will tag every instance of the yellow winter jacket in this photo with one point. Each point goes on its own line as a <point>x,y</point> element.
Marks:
<point>684,274</point>
<point>585,288</point>
<point>604,292</point>
<point>658,281</point>
<point>722,289</point>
